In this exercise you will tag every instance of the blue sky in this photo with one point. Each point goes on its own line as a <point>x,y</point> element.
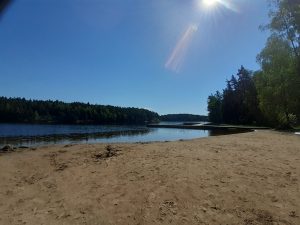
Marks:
<point>114,51</point>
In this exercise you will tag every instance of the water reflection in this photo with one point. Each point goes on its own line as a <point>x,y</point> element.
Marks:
<point>68,138</point>
<point>37,135</point>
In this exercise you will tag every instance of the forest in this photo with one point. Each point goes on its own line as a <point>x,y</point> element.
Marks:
<point>271,95</point>
<point>183,117</point>
<point>20,110</point>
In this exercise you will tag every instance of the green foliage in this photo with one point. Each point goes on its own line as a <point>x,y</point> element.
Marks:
<point>238,104</point>
<point>214,108</point>
<point>278,82</point>
<point>285,22</point>
<point>32,111</point>
<point>271,95</point>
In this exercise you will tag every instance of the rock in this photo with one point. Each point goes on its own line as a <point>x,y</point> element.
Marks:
<point>110,151</point>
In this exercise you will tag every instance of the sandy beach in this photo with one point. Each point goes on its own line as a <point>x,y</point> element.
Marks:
<point>241,179</point>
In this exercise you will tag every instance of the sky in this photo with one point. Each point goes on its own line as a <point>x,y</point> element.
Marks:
<point>164,55</point>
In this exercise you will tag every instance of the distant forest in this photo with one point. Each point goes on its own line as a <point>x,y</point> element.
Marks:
<point>183,117</point>
<point>20,110</point>
<point>270,96</point>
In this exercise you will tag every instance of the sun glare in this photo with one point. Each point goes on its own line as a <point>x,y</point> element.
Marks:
<point>209,3</point>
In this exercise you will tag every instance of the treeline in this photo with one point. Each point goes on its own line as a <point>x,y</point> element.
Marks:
<point>238,103</point>
<point>270,96</point>
<point>20,110</point>
<point>183,117</point>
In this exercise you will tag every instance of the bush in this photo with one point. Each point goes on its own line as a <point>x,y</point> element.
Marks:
<point>287,122</point>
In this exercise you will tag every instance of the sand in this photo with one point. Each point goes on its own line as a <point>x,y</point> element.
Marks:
<point>243,179</point>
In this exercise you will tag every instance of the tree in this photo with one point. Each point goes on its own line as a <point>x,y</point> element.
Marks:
<point>247,98</point>
<point>285,22</point>
<point>238,104</point>
<point>33,111</point>
<point>277,83</point>
<point>230,102</point>
<point>270,95</point>
<point>214,107</point>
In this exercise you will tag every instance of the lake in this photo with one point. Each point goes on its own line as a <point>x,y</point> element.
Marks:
<point>32,135</point>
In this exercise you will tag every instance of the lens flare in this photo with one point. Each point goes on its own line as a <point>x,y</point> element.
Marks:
<point>212,4</point>
<point>209,3</point>
<point>178,54</point>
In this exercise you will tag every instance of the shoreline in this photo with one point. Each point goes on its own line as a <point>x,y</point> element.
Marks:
<point>247,178</point>
<point>123,135</point>
<point>208,126</point>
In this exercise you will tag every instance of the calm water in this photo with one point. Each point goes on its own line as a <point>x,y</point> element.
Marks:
<point>34,135</point>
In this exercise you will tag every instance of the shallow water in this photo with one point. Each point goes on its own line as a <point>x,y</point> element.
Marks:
<point>36,135</point>
<point>13,130</point>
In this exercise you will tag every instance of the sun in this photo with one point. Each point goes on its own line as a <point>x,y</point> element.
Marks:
<point>209,3</point>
